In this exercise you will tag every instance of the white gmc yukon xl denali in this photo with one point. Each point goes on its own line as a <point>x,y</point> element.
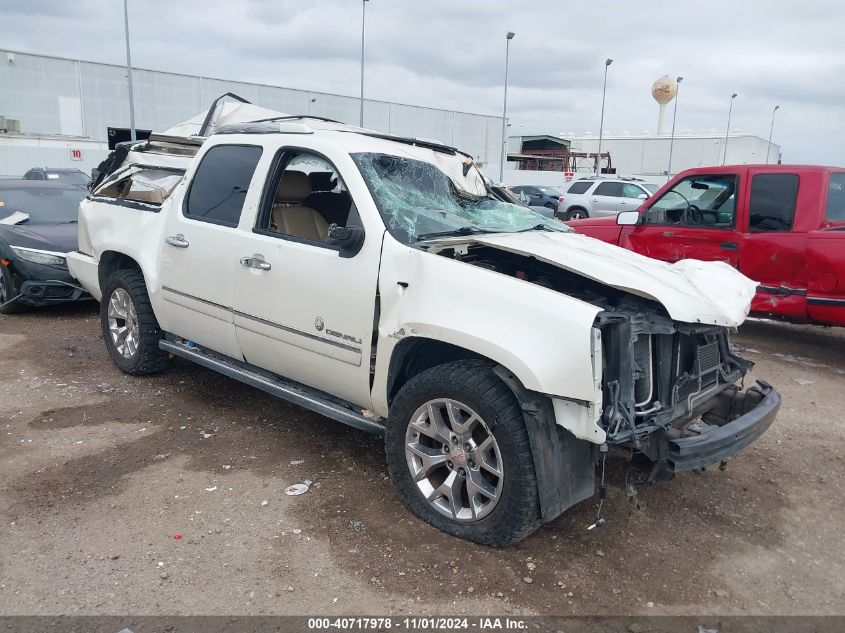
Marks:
<point>379,281</point>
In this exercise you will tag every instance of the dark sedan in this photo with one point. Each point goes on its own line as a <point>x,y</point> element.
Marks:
<point>37,229</point>
<point>540,196</point>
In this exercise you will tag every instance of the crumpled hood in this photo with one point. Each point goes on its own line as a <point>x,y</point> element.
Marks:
<point>691,290</point>
<point>58,237</point>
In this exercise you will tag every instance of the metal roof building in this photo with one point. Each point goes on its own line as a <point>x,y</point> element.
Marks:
<point>65,107</point>
<point>648,154</point>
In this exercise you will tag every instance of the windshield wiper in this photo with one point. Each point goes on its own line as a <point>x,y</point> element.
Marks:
<point>536,227</point>
<point>463,230</point>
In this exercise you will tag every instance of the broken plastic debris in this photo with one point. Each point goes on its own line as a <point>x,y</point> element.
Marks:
<point>802,381</point>
<point>297,530</point>
<point>212,489</point>
<point>298,489</point>
<point>265,503</point>
<point>297,462</point>
<point>207,435</point>
<point>227,466</point>
<point>177,537</point>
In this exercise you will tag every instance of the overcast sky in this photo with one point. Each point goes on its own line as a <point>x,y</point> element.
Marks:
<point>450,54</point>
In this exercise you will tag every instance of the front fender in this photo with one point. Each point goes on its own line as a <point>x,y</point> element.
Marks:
<point>543,337</point>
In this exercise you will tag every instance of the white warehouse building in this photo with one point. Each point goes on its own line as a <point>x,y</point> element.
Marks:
<point>57,112</point>
<point>648,154</point>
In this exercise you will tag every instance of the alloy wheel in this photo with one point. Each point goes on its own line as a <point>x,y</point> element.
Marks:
<point>123,323</point>
<point>454,460</point>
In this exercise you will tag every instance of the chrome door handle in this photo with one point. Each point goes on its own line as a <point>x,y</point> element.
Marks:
<point>178,241</point>
<point>668,234</point>
<point>255,262</point>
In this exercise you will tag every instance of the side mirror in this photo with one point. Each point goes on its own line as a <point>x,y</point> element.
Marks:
<point>348,239</point>
<point>642,196</point>
<point>628,218</point>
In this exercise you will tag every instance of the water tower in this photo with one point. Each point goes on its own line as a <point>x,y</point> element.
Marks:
<point>663,90</point>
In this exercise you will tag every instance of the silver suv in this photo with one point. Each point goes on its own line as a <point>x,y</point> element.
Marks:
<point>600,197</point>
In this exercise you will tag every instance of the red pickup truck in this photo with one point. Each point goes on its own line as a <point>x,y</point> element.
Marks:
<point>781,225</point>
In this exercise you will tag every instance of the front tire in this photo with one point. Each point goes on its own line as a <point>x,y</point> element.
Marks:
<point>8,292</point>
<point>459,455</point>
<point>130,328</point>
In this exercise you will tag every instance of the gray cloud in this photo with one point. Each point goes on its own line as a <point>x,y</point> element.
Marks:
<point>450,54</point>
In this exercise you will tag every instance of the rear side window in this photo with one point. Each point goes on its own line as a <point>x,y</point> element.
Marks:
<point>220,184</point>
<point>150,186</point>
<point>836,199</point>
<point>609,189</point>
<point>772,204</point>
<point>579,186</point>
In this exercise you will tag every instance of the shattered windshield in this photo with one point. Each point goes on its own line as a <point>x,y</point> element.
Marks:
<point>417,201</point>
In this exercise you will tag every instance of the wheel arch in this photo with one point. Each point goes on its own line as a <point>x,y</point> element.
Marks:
<point>414,354</point>
<point>112,261</point>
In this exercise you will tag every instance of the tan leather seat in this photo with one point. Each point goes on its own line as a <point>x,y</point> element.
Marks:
<point>290,216</point>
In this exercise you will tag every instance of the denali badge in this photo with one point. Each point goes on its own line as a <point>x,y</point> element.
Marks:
<point>318,323</point>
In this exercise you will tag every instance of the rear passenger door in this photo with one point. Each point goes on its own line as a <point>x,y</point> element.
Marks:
<point>196,283</point>
<point>605,199</point>
<point>773,244</point>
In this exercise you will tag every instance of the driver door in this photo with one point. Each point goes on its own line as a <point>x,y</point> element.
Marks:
<point>695,219</point>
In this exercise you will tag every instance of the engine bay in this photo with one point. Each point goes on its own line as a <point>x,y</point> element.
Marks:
<point>659,375</point>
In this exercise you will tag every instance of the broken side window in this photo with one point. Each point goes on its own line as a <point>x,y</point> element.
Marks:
<point>151,186</point>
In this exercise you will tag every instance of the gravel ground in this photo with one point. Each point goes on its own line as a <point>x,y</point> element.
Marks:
<point>146,496</point>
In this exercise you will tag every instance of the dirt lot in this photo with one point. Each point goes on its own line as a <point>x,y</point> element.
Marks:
<point>99,471</point>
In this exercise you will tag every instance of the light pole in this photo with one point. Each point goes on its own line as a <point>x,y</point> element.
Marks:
<point>607,63</point>
<point>129,73</point>
<point>508,39</point>
<point>771,129</point>
<point>728,130</point>
<point>674,116</point>
<point>363,21</point>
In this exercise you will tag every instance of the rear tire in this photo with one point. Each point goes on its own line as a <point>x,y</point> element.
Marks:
<point>7,292</point>
<point>484,433</point>
<point>130,328</point>
<point>577,213</point>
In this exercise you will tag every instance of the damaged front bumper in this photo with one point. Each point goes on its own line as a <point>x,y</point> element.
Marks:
<point>737,419</point>
<point>671,392</point>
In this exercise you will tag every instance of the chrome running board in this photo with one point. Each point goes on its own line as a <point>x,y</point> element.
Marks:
<point>296,393</point>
